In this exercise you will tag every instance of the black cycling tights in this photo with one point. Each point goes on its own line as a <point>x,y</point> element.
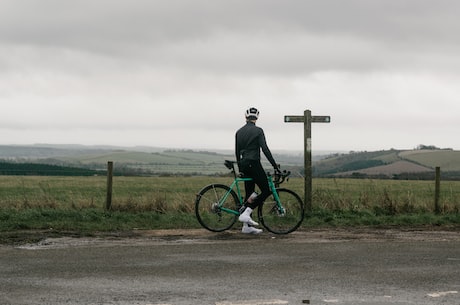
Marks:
<point>254,170</point>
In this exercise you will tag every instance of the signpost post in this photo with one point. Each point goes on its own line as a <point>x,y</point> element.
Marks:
<point>307,119</point>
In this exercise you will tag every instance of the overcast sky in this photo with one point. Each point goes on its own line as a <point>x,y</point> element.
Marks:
<point>181,73</point>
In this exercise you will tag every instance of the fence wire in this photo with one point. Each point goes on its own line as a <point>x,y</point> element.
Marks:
<point>163,194</point>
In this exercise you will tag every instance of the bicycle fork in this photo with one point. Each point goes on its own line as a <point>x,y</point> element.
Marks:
<point>280,210</point>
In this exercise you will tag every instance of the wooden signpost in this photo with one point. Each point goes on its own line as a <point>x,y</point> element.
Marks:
<point>307,119</point>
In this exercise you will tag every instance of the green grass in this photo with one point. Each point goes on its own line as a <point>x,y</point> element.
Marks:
<point>389,196</point>
<point>328,218</point>
<point>77,203</point>
<point>90,220</point>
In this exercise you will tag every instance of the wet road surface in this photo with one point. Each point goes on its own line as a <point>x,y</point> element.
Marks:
<point>199,267</point>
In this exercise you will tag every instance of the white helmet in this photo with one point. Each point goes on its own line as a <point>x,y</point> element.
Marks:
<point>252,113</point>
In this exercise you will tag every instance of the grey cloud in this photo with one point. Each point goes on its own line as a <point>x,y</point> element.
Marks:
<point>148,61</point>
<point>296,35</point>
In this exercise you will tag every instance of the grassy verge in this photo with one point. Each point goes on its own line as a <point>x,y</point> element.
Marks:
<point>342,218</point>
<point>75,204</point>
<point>96,220</point>
<point>91,220</point>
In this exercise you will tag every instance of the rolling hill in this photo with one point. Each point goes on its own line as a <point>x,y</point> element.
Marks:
<point>131,161</point>
<point>411,164</point>
<point>389,163</point>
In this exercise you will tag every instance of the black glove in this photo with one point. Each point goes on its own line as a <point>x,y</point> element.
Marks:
<point>277,170</point>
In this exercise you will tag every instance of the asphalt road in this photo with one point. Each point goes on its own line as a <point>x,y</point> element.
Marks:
<point>197,267</point>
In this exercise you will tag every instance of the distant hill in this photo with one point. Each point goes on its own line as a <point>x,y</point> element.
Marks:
<point>403,164</point>
<point>389,163</point>
<point>131,160</point>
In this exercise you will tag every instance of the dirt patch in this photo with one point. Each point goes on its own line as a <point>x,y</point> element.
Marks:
<point>21,237</point>
<point>34,239</point>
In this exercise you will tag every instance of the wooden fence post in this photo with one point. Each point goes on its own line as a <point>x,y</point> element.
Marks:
<point>108,202</point>
<point>437,190</point>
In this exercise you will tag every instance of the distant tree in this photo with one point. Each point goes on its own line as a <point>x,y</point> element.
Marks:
<point>427,147</point>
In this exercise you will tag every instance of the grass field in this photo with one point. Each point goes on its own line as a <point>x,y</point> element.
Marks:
<point>446,159</point>
<point>77,203</point>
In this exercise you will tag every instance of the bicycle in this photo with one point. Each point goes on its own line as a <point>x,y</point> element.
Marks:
<point>217,206</point>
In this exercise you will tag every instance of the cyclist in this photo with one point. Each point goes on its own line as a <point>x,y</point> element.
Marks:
<point>250,139</point>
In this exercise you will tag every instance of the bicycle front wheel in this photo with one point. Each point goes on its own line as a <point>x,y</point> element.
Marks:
<point>209,205</point>
<point>285,218</point>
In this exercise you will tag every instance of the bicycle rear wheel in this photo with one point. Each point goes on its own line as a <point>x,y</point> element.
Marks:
<point>285,220</point>
<point>208,207</point>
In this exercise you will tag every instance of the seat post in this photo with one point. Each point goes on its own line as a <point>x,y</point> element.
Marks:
<point>233,169</point>
<point>231,165</point>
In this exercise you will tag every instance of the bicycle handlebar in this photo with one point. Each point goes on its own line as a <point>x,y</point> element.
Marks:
<point>280,177</point>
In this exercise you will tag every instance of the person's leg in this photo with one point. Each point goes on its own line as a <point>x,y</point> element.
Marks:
<point>246,170</point>
<point>249,187</point>
<point>260,179</point>
<point>249,171</point>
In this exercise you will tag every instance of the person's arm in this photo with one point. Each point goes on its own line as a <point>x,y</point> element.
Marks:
<point>266,150</point>
<point>237,150</point>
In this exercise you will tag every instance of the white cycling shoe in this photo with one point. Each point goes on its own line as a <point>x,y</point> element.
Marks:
<point>246,217</point>
<point>250,230</point>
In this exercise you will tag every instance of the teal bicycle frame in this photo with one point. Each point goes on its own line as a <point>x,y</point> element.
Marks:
<point>236,185</point>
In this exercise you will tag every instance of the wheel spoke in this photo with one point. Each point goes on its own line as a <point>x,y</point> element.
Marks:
<point>285,218</point>
<point>208,207</point>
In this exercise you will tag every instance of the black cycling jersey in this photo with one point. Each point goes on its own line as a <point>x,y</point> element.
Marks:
<point>249,140</point>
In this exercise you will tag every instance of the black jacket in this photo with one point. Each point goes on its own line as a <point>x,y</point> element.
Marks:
<point>249,140</point>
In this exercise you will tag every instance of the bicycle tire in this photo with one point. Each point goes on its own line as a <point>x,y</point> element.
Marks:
<point>209,214</point>
<point>282,223</point>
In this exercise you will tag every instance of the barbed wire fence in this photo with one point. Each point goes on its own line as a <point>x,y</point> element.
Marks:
<point>162,194</point>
